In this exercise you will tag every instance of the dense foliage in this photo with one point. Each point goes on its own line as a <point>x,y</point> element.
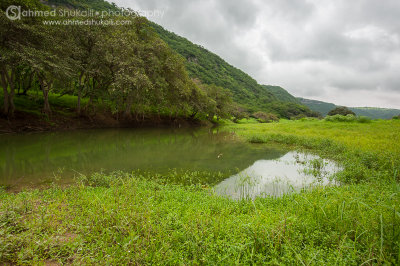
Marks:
<point>347,118</point>
<point>127,67</point>
<point>342,110</point>
<point>98,5</point>
<point>281,94</point>
<point>264,117</point>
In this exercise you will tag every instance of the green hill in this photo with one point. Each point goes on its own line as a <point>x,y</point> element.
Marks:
<point>281,94</point>
<point>375,113</point>
<point>318,106</point>
<point>372,112</point>
<point>97,5</point>
<point>212,69</point>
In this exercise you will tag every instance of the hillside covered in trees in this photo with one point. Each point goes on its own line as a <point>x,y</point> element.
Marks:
<point>126,70</point>
<point>212,69</point>
<point>136,70</point>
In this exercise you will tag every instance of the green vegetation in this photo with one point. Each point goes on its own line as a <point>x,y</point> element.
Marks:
<point>130,218</point>
<point>175,218</point>
<point>264,117</point>
<point>282,94</point>
<point>127,68</point>
<point>342,110</point>
<point>318,106</point>
<point>347,118</point>
<point>98,5</point>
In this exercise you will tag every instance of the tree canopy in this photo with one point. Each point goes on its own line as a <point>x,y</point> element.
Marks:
<point>341,111</point>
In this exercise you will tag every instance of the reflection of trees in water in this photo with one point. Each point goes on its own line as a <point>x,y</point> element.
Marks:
<point>33,156</point>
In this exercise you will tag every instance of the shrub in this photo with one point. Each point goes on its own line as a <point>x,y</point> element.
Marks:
<point>298,117</point>
<point>397,117</point>
<point>341,111</point>
<point>341,118</point>
<point>363,119</point>
<point>347,118</point>
<point>265,117</point>
<point>238,113</point>
<point>305,119</point>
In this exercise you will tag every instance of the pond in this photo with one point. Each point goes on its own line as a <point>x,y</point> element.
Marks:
<point>39,159</point>
<point>290,173</point>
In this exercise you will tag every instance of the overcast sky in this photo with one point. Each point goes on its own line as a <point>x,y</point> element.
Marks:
<point>341,51</point>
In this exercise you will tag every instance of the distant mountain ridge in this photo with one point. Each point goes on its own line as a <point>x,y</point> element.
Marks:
<point>372,112</point>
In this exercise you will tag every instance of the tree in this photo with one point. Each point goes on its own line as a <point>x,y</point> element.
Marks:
<point>341,111</point>
<point>86,42</point>
<point>51,61</point>
<point>239,113</point>
<point>265,117</point>
<point>16,38</point>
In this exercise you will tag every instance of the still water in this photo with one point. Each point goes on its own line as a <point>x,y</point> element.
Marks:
<point>37,159</point>
<point>290,173</point>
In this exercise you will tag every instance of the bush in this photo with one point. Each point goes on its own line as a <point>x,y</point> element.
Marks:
<point>363,119</point>
<point>298,117</point>
<point>397,117</point>
<point>305,119</point>
<point>340,118</point>
<point>265,117</point>
<point>341,111</point>
<point>239,113</point>
<point>347,118</point>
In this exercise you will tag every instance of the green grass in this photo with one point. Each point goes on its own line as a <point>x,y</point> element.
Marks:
<point>248,121</point>
<point>128,219</point>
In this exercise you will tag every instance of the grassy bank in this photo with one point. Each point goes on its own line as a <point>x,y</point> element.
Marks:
<point>129,219</point>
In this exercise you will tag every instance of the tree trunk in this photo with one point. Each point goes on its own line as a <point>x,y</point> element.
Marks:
<point>89,103</point>
<point>46,106</point>
<point>4,84</point>
<point>128,107</point>
<point>78,106</point>
<point>11,107</point>
<point>193,115</point>
<point>80,85</point>
<point>45,89</point>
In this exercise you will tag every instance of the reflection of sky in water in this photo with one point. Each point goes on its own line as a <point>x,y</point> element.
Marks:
<point>291,172</point>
